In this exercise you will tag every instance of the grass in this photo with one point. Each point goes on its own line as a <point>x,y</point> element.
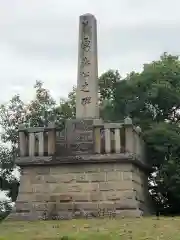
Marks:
<point>105,229</point>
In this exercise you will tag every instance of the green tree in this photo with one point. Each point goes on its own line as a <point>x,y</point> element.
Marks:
<point>39,112</point>
<point>9,183</point>
<point>108,82</point>
<point>152,99</point>
<point>67,107</point>
<point>107,86</point>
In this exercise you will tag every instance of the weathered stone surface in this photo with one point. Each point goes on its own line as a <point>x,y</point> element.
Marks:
<point>58,188</point>
<point>137,178</point>
<point>65,206</point>
<point>54,198</point>
<point>126,204</point>
<point>74,188</point>
<point>123,167</point>
<point>50,179</point>
<point>96,196</point>
<point>58,171</point>
<point>24,196</point>
<point>37,179</point>
<point>40,170</point>
<point>97,177</point>
<point>41,197</point>
<point>137,186</point>
<point>129,213</point>
<point>61,198</point>
<point>127,176</point>
<point>85,187</point>
<point>25,171</point>
<point>39,188</point>
<point>128,194</point>
<point>79,148</point>
<point>93,168</point>
<point>87,105</point>
<point>113,176</point>
<point>82,178</point>
<point>86,205</point>
<point>23,207</point>
<point>83,158</point>
<point>64,215</point>
<point>80,136</point>
<point>112,195</point>
<point>107,205</point>
<point>107,186</point>
<point>39,206</point>
<point>61,148</point>
<point>105,167</point>
<point>81,197</point>
<point>66,178</point>
<point>25,186</point>
<point>86,136</point>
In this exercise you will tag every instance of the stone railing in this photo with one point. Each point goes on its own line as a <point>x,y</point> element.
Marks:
<point>119,138</point>
<point>37,141</point>
<point>108,138</point>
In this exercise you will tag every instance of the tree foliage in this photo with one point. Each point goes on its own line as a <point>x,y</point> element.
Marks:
<point>38,112</point>
<point>151,98</point>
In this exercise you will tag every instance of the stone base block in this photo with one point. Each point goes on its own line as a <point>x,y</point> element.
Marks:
<point>91,189</point>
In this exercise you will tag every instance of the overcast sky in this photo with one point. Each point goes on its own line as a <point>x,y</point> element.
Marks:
<point>39,38</point>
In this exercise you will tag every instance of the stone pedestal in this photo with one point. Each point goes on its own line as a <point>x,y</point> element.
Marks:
<point>90,186</point>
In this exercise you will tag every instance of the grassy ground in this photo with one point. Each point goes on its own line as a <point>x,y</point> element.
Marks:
<point>105,229</point>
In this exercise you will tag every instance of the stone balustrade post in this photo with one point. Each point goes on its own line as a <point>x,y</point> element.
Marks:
<point>32,144</point>
<point>117,140</point>
<point>51,139</point>
<point>98,125</point>
<point>129,136</point>
<point>97,137</point>
<point>107,131</point>
<point>143,150</point>
<point>137,138</point>
<point>22,141</point>
<point>41,143</point>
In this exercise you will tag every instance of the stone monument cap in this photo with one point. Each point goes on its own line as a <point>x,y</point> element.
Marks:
<point>88,14</point>
<point>128,121</point>
<point>138,129</point>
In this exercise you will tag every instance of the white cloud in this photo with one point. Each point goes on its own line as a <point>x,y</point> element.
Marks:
<point>38,39</point>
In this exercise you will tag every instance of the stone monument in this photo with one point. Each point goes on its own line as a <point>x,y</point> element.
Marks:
<point>79,132</point>
<point>91,168</point>
<point>87,81</point>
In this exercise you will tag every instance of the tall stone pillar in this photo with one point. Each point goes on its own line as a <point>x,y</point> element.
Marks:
<point>87,80</point>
